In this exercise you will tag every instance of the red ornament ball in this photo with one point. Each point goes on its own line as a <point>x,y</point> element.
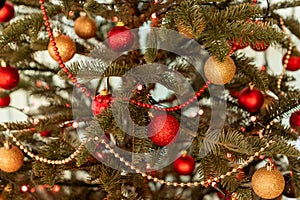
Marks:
<point>101,102</point>
<point>120,38</point>
<point>45,133</point>
<point>184,165</point>
<point>238,44</point>
<point>9,77</point>
<point>7,12</point>
<point>293,62</point>
<point>259,46</point>
<point>163,129</point>
<point>251,100</point>
<point>295,119</point>
<point>4,101</point>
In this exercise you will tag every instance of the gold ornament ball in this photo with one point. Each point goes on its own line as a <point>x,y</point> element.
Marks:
<point>66,48</point>
<point>11,159</point>
<point>268,183</point>
<point>85,27</point>
<point>218,72</point>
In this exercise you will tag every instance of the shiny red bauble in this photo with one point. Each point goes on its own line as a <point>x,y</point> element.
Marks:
<point>184,165</point>
<point>120,38</point>
<point>45,133</point>
<point>259,46</point>
<point>4,101</point>
<point>293,62</point>
<point>7,12</point>
<point>163,129</point>
<point>101,102</point>
<point>251,100</point>
<point>9,77</point>
<point>295,119</point>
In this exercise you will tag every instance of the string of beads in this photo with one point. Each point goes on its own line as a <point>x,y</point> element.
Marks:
<point>285,62</point>
<point>210,181</point>
<point>43,159</point>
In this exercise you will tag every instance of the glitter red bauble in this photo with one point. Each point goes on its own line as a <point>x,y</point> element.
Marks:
<point>293,63</point>
<point>259,46</point>
<point>45,133</point>
<point>120,38</point>
<point>251,100</point>
<point>7,12</point>
<point>9,77</point>
<point>163,129</point>
<point>101,102</point>
<point>4,101</point>
<point>238,44</point>
<point>184,165</point>
<point>295,119</point>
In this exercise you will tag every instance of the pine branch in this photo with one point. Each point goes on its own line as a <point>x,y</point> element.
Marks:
<point>30,25</point>
<point>282,107</point>
<point>248,72</point>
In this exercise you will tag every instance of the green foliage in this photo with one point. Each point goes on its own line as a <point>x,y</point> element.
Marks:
<point>29,25</point>
<point>247,72</point>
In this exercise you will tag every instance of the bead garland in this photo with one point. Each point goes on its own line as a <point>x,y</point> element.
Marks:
<point>43,159</point>
<point>286,58</point>
<point>84,89</point>
<point>170,109</point>
<point>182,184</point>
<point>88,94</point>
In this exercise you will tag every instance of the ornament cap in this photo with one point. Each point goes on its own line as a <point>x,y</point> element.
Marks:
<point>104,92</point>
<point>251,85</point>
<point>82,14</point>
<point>120,24</point>
<point>56,32</point>
<point>7,145</point>
<point>184,153</point>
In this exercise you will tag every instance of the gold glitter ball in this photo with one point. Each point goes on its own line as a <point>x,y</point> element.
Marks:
<point>66,48</point>
<point>218,72</point>
<point>268,183</point>
<point>11,159</point>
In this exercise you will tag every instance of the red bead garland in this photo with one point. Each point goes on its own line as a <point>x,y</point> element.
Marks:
<point>85,91</point>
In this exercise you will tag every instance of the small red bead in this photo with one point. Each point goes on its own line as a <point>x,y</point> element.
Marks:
<point>55,48</point>
<point>42,7</point>
<point>70,75</point>
<point>49,30</point>
<point>62,65</point>
<point>44,12</point>
<point>201,90</point>
<point>47,23</point>
<point>57,53</point>
<point>53,43</point>
<point>60,62</point>
<point>42,1</point>
<point>74,80</point>
<point>83,90</point>
<point>66,70</point>
<point>45,18</point>
<point>87,94</point>
<point>78,85</point>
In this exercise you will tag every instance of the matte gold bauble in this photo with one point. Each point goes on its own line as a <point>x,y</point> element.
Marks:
<point>268,183</point>
<point>11,158</point>
<point>218,72</point>
<point>85,27</point>
<point>66,48</point>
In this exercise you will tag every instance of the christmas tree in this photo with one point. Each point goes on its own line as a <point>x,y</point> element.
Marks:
<point>149,99</point>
